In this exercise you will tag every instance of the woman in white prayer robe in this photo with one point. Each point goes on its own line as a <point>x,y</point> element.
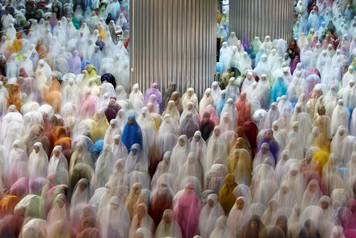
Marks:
<point>80,198</point>
<point>206,100</point>
<point>230,108</point>
<point>215,92</point>
<point>312,214</point>
<point>136,98</point>
<point>191,167</point>
<point>114,220</point>
<point>232,90</point>
<point>295,181</point>
<point>264,191</point>
<point>149,135</point>
<point>280,135</point>
<point>30,119</point>
<point>118,149</point>
<point>263,91</point>
<point>111,132</point>
<point>11,124</point>
<point>337,145</point>
<point>244,191</point>
<point>121,94</point>
<point>209,214</point>
<point>283,165</point>
<point>264,156</point>
<point>294,145</point>
<point>263,171</point>
<point>162,168</point>
<point>262,67</point>
<point>305,124</point>
<point>172,111</point>
<point>138,176</point>
<point>118,176</point>
<point>220,228</point>
<point>311,195</point>
<point>198,146</point>
<point>58,166</point>
<point>349,75</point>
<point>286,198</point>
<point>248,82</point>
<point>269,215</point>
<point>136,160</point>
<point>244,63</point>
<point>103,167</point>
<point>167,135</point>
<point>121,119</point>
<point>225,56</point>
<point>12,67</point>
<point>38,162</point>
<point>272,115</point>
<point>190,96</point>
<point>340,117</point>
<point>80,154</point>
<point>217,150</point>
<point>17,164</point>
<point>238,217</point>
<point>168,227</point>
<point>179,155</point>
<point>34,228</point>
<point>141,219</point>
<point>226,122</point>
<point>348,94</point>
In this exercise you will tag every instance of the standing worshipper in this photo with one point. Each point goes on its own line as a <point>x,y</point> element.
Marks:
<point>168,93</point>
<point>279,89</point>
<point>153,90</point>
<point>132,133</point>
<point>168,226</point>
<point>206,126</point>
<point>243,109</point>
<point>209,215</point>
<point>226,196</point>
<point>186,211</point>
<point>74,63</point>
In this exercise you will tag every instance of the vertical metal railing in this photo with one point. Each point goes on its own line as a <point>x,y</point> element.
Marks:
<point>173,40</point>
<point>250,18</point>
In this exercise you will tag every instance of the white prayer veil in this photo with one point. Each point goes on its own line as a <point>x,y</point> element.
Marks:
<point>34,228</point>
<point>38,161</point>
<point>311,195</point>
<point>168,227</point>
<point>238,217</point>
<point>191,167</point>
<point>209,214</point>
<point>217,149</point>
<point>114,219</point>
<point>58,166</point>
<point>179,155</point>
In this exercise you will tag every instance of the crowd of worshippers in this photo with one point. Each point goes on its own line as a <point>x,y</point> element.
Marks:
<point>270,153</point>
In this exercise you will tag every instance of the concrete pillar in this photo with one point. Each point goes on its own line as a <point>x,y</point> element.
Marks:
<point>173,40</point>
<point>250,18</point>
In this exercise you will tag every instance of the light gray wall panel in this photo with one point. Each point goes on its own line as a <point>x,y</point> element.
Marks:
<point>173,40</point>
<point>250,18</point>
